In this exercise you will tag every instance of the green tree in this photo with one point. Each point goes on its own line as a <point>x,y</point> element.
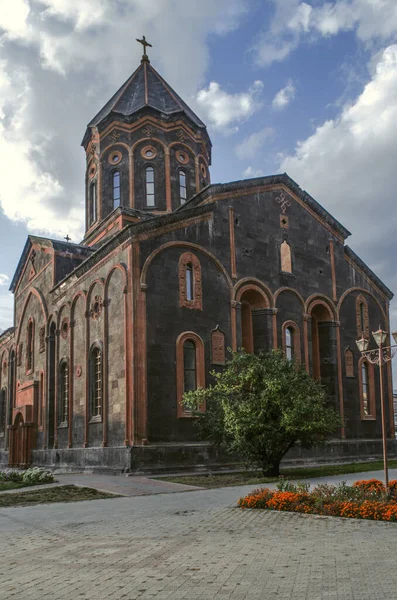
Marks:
<point>261,406</point>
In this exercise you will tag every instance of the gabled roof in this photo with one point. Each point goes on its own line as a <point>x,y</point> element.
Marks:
<point>258,182</point>
<point>57,245</point>
<point>145,88</point>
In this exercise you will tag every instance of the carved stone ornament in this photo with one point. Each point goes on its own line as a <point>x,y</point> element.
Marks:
<point>114,136</point>
<point>362,319</point>
<point>188,259</point>
<point>283,202</point>
<point>5,366</point>
<point>217,347</point>
<point>148,131</point>
<point>19,354</point>
<point>181,135</point>
<point>79,371</point>
<point>65,328</point>
<point>96,308</point>
<point>42,339</point>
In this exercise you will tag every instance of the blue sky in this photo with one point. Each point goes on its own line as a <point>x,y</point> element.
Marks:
<point>304,87</point>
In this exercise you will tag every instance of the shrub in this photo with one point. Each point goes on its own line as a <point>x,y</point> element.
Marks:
<point>393,487</point>
<point>11,475</point>
<point>37,475</point>
<point>370,485</point>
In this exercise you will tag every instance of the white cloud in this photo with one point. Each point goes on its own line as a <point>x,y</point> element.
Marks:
<point>251,145</point>
<point>284,96</point>
<point>348,165</point>
<point>223,109</point>
<point>372,21</point>
<point>251,172</point>
<point>60,61</point>
<point>3,279</point>
<point>6,310</point>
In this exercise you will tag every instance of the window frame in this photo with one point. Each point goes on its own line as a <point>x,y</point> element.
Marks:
<point>180,369</point>
<point>63,393</point>
<point>296,343</point>
<point>112,175</point>
<point>186,259</point>
<point>152,169</point>
<point>92,203</point>
<point>182,187</point>
<point>94,415</point>
<point>30,346</point>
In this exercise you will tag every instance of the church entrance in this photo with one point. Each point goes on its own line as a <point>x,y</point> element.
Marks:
<point>19,453</point>
<point>254,321</point>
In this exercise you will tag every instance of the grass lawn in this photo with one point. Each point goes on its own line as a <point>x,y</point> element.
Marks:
<point>64,493</point>
<point>10,485</point>
<point>255,477</point>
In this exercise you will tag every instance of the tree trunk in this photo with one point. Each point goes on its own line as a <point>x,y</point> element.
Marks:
<point>273,471</point>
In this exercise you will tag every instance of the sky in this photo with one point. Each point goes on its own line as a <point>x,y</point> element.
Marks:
<point>307,88</point>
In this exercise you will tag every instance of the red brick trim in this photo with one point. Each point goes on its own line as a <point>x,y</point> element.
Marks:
<point>188,258</point>
<point>362,290</point>
<point>200,369</point>
<point>29,364</point>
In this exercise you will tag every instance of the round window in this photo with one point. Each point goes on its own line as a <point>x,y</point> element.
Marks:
<point>149,152</point>
<point>182,157</point>
<point>115,157</point>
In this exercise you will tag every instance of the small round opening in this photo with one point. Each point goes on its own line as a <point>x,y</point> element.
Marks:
<point>115,158</point>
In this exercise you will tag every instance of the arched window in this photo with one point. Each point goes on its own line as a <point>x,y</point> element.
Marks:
<point>190,292</point>
<point>63,410</point>
<point>182,187</point>
<point>285,255</point>
<point>289,343</point>
<point>29,346</point>
<point>116,187</point>
<point>96,383</point>
<point>92,204</point>
<point>190,367</point>
<point>150,196</point>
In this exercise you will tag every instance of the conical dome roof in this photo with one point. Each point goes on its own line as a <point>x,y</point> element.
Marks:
<point>145,88</point>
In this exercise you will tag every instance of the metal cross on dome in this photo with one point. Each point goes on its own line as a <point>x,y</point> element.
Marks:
<point>145,44</point>
<point>67,238</point>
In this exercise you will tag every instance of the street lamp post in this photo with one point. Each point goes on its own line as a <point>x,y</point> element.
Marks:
<point>379,357</point>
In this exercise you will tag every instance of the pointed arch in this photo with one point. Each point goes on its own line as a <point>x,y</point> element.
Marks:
<point>33,292</point>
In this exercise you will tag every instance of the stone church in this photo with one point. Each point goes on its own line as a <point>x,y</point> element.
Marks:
<point>172,271</point>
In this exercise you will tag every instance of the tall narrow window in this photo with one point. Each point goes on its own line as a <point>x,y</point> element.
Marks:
<point>190,291</point>
<point>116,179</point>
<point>362,319</point>
<point>190,368</point>
<point>189,364</point>
<point>63,393</point>
<point>182,187</point>
<point>150,197</point>
<point>365,389</point>
<point>189,282</point>
<point>96,382</point>
<point>93,203</point>
<point>41,400</point>
<point>289,343</point>
<point>29,346</point>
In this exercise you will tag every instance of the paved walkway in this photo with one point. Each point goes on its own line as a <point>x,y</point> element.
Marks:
<point>189,546</point>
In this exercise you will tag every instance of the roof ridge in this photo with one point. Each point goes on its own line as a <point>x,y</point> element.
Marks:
<point>122,89</point>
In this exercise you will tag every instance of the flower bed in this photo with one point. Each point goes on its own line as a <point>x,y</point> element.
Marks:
<point>365,499</point>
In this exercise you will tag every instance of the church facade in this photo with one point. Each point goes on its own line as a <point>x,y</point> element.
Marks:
<point>173,271</point>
